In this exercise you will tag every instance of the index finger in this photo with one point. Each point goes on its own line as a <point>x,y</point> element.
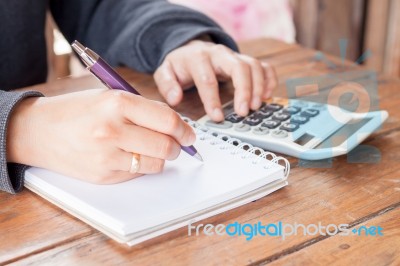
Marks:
<point>205,79</point>
<point>157,117</point>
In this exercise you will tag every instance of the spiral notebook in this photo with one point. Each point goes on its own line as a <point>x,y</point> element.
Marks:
<point>233,174</point>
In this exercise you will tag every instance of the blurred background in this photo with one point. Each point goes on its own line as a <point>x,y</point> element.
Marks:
<point>366,25</point>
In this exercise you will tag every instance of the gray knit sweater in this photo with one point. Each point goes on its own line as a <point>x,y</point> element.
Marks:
<point>133,33</point>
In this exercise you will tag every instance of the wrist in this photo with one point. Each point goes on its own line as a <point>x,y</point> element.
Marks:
<point>22,130</point>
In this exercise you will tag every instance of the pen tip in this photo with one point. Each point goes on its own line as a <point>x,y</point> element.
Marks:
<point>198,157</point>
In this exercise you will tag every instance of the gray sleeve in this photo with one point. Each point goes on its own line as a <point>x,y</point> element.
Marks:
<point>134,33</point>
<point>11,174</point>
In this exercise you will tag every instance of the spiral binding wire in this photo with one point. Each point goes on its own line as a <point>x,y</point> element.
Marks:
<point>238,147</point>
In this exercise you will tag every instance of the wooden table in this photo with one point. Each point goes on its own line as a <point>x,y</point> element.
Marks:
<point>34,231</point>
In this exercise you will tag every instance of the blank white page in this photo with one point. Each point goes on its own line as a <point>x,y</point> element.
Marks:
<point>184,187</point>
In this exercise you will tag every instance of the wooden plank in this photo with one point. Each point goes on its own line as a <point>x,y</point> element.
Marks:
<point>265,47</point>
<point>376,32</point>
<point>354,249</point>
<point>392,57</point>
<point>337,20</point>
<point>306,21</point>
<point>345,193</point>
<point>29,224</point>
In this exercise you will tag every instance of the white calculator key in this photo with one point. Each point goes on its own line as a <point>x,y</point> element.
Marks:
<point>242,128</point>
<point>223,124</point>
<point>280,134</point>
<point>261,131</point>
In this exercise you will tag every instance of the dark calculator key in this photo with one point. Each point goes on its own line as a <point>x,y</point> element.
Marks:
<point>289,127</point>
<point>251,115</point>
<point>271,124</point>
<point>291,110</point>
<point>281,117</point>
<point>234,118</point>
<point>271,107</point>
<point>252,121</point>
<point>262,114</point>
<point>309,113</point>
<point>299,120</point>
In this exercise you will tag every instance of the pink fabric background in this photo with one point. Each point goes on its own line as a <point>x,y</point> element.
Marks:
<point>247,19</point>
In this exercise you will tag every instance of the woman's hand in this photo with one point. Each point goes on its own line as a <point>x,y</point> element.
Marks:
<point>92,134</point>
<point>204,64</point>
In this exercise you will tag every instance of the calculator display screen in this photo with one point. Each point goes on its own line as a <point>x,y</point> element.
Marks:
<point>304,139</point>
<point>343,133</point>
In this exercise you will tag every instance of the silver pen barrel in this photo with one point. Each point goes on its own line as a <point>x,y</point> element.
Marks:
<point>88,56</point>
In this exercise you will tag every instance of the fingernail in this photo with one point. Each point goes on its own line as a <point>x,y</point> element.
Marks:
<point>244,108</point>
<point>172,96</point>
<point>217,114</point>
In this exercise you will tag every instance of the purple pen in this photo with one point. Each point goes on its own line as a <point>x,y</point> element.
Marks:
<point>109,77</point>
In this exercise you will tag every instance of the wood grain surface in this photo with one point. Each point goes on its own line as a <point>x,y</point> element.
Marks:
<point>337,192</point>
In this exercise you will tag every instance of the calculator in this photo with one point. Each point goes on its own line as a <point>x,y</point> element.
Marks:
<point>303,129</point>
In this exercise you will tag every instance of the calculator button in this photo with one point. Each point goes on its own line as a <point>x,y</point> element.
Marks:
<point>262,114</point>
<point>242,127</point>
<point>289,127</point>
<point>260,131</point>
<point>271,124</point>
<point>223,124</point>
<point>281,117</point>
<point>291,110</point>
<point>234,118</point>
<point>271,107</point>
<point>299,120</point>
<point>280,134</point>
<point>252,121</point>
<point>309,113</point>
